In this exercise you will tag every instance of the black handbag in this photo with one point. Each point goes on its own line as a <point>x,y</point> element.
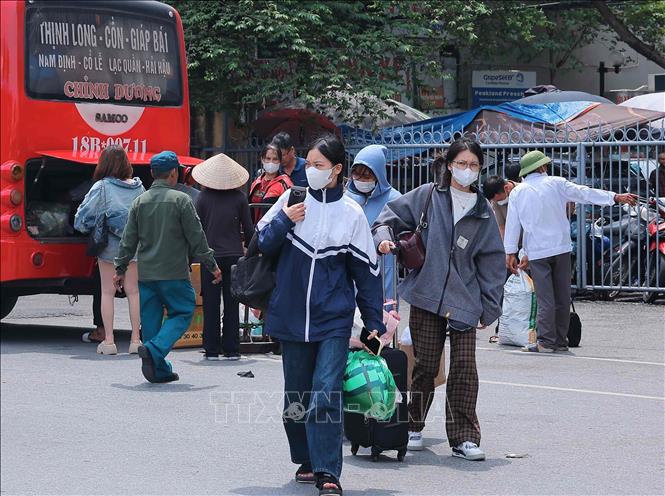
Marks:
<point>574,328</point>
<point>99,238</point>
<point>253,277</point>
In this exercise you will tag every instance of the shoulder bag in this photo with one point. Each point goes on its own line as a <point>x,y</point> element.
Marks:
<point>410,246</point>
<point>99,237</point>
<point>253,277</point>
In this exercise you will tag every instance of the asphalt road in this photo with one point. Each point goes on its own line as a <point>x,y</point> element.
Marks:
<point>73,422</point>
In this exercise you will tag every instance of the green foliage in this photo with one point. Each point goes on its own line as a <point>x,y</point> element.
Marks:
<point>246,54</point>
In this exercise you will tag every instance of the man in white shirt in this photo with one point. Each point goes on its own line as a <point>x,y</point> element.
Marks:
<point>538,207</point>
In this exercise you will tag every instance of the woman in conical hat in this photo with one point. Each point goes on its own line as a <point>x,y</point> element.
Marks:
<point>224,214</point>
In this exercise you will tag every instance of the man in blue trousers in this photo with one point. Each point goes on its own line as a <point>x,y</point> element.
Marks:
<point>163,232</point>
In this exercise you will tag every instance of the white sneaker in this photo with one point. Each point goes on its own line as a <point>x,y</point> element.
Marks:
<point>469,451</point>
<point>415,441</point>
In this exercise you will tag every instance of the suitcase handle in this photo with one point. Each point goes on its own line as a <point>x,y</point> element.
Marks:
<point>394,300</point>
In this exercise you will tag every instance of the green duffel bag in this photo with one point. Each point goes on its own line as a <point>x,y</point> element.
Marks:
<point>369,386</point>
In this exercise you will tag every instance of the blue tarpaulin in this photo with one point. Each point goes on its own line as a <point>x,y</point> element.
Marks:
<point>433,130</point>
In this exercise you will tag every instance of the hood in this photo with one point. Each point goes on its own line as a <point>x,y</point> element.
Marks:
<point>374,157</point>
<point>136,182</point>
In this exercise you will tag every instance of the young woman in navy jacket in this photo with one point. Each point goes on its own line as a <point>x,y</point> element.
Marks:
<point>324,247</point>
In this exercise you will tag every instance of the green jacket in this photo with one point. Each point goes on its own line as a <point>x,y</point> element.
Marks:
<point>164,232</point>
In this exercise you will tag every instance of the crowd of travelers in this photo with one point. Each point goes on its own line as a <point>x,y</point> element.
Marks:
<point>327,250</point>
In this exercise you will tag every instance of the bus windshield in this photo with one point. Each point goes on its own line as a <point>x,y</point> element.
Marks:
<point>83,54</point>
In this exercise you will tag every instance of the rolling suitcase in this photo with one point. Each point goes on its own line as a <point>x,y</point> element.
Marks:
<point>391,435</point>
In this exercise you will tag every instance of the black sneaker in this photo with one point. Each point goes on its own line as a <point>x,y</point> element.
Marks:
<point>232,356</point>
<point>147,364</point>
<point>169,378</point>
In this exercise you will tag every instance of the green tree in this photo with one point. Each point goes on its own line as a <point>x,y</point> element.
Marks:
<point>245,54</point>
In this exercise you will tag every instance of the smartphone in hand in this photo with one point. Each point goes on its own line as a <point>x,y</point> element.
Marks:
<point>297,195</point>
<point>374,345</point>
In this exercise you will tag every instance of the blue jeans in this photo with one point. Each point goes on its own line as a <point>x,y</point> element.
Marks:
<point>313,374</point>
<point>159,334</point>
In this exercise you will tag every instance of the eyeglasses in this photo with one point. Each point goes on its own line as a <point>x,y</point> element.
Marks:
<point>462,164</point>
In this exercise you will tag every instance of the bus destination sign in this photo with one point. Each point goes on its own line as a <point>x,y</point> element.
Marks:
<point>81,55</point>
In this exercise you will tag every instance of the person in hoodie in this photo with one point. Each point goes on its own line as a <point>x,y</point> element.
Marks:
<point>320,261</point>
<point>370,188</point>
<point>111,195</point>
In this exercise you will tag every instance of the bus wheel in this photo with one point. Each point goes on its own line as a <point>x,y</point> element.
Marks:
<point>8,303</point>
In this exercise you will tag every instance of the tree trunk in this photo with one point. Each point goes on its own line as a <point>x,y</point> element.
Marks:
<point>627,36</point>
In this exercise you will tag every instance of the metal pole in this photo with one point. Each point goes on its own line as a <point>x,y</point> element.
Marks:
<point>602,70</point>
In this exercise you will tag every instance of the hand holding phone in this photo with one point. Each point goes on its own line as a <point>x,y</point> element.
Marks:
<point>297,195</point>
<point>372,341</point>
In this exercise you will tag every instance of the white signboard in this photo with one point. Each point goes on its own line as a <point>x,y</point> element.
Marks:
<point>494,87</point>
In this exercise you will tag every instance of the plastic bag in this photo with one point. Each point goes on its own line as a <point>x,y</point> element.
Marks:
<point>369,386</point>
<point>256,324</point>
<point>517,326</point>
<point>405,339</point>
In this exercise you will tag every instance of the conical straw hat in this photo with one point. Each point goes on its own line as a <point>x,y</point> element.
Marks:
<point>220,172</point>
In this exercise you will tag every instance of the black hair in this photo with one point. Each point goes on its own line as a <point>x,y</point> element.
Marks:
<point>436,167</point>
<point>282,140</point>
<point>271,146</point>
<point>512,172</point>
<point>455,149</point>
<point>161,174</point>
<point>330,147</point>
<point>493,186</point>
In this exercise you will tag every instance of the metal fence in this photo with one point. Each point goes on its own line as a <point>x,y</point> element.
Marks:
<point>614,248</point>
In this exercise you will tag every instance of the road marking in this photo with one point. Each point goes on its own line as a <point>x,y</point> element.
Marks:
<point>589,391</point>
<point>619,360</point>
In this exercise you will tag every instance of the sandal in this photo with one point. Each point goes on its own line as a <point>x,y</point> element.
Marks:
<point>323,479</point>
<point>86,338</point>
<point>304,474</point>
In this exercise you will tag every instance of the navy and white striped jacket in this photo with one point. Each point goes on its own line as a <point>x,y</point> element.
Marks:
<point>320,259</point>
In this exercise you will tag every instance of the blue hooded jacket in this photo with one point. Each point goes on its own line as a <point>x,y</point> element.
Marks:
<point>374,157</point>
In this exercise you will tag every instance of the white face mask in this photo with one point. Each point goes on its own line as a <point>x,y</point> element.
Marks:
<point>270,168</point>
<point>364,186</point>
<point>502,202</point>
<point>318,179</point>
<point>465,177</point>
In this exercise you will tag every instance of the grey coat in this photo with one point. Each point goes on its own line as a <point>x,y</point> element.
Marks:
<point>464,271</point>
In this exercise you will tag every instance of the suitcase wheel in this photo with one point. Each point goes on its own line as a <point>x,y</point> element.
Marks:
<point>401,454</point>
<point>375,454</point>
<point>354,449</point>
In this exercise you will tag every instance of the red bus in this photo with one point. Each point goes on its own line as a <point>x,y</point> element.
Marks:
<point>76,77</point>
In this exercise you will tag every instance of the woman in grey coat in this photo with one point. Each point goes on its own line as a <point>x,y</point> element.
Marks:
<point>111,196</point>
<point>458,289</point>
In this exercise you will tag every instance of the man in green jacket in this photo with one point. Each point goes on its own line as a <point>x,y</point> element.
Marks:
<point>164,232</point>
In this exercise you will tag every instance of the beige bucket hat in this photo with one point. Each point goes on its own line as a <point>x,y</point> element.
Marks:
<point>220,172</point>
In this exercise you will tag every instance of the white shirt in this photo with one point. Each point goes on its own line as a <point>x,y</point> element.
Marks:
<point>538,205</point>
<point>462,202</point>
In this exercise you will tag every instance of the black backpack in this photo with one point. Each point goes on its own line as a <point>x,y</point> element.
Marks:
<point>574,328</point>
<point>253,277</point>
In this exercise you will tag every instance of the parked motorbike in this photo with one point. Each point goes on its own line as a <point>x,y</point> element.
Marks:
<point>635,254</point>
<point>655,259</point>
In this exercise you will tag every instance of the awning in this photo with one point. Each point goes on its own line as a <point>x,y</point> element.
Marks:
<point>93,157</point>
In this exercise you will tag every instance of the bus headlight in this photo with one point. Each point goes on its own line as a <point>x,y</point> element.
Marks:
<point>15,223</point>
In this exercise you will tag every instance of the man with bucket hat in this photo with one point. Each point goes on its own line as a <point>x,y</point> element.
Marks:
<point>538,207</point>
<point>165,232</point>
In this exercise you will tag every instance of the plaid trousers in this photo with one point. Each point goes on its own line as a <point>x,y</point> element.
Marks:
<point>428,332</point>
